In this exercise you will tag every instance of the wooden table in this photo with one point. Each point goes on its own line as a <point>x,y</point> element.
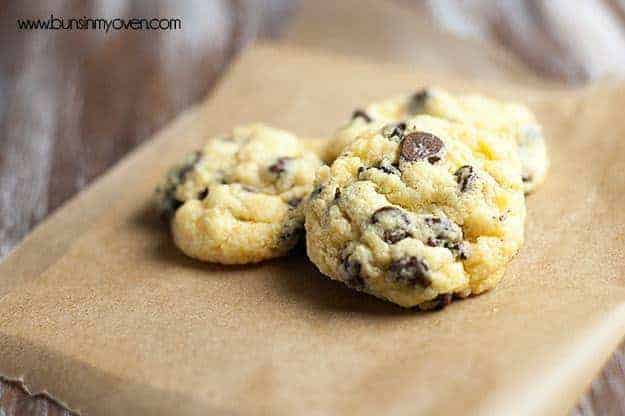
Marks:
<point>72,103</point>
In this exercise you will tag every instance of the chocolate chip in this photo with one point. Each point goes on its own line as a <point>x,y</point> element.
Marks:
<point>410,271</point>
<point>444,232</point>
<point>380,214</point>
<point>352,269</point>
<point>394,131</point>
<point>355,282</point>
<point>294,202</point>
<point>417,101</point>
<point>399,129</point>
<point>337,194</point>
<point>184,171</point>
<point>441,301</point>
<point>280,166</point>
<point>389,168</point>
<point>463,250</point>
<point>176,204</point>
<point>526,177</point>
<point>169,206</point>
<point>395,236</point>
<point>169,203</point>
<point>361,114</point>
<point>385,166</point>
<point>203,194</point>
<point>394,222</point>
<point>465,176</point>
<point>188,167</point>
<point>316,192</point>
<point>460,249</point>
<point>420,145</point>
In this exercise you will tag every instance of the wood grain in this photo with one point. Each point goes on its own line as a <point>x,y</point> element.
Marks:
<point>570,41</point>
<point>72,103</point>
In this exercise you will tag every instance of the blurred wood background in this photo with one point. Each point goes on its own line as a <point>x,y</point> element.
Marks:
<point>73,103</point>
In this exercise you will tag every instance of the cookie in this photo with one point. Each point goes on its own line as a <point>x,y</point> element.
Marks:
<point>240,198</point>
<point>419,212</point>
<point>510,120</point>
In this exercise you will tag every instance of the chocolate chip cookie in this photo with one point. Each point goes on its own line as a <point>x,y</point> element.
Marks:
<point>418,212</point>
<point>510,120</point>
<point>240,198</point>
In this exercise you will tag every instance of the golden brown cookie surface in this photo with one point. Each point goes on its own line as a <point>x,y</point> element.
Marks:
<point>418,212</point>
<point>509,120</point>
<point>240,199</point>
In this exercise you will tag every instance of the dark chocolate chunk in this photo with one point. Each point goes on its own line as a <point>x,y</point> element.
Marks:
<point>352,269</point>
<point>410,271</point>
<point>175,204</point>
<point>280,166</point>
<point>417,101</point>
<point>463,250</point>
<point>337,194</point>
<point>184,171</point>
<point>395,131</point>
<point>444,232</point>
<point>465,176</point>
<point>395,236</point>
<point>442,300</point>
<point>421,145</point>
<point>188,167</point>
<point>460,249</point>
<point>203,194</point>
<point>388,167</point>
<point>355,282</point>
<point>385,166</point>
<point>381,214</point>
<point>176,177</point>
<point>361,114</point>
<point>394,222</point>
<point>316,192</point>
<point>169,207</point>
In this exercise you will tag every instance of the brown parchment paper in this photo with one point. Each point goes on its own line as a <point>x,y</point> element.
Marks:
<point>124,324</point>
<point>389,31</point>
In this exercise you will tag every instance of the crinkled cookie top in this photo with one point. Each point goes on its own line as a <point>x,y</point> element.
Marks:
<point>418,212</point>
<point>511,121</point>
<point>240,198</point>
